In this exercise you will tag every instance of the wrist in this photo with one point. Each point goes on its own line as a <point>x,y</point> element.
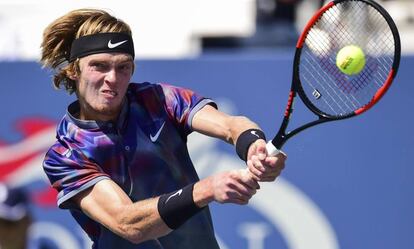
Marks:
<point>202,192</point>
<point>245,139</point>
<point>177,207</point>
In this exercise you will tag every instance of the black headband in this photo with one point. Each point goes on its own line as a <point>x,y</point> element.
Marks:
<point>101,43</point>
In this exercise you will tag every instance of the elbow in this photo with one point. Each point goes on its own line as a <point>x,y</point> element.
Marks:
<point>135,238</point>
<point>130,231</point>
<point>136,230</point>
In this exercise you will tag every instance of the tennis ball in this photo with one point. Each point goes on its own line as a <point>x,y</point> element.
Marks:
<point>350,60</point>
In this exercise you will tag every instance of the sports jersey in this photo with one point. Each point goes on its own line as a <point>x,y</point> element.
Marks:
<point>144,152</point>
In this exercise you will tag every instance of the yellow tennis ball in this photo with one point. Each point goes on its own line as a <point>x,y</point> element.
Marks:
<point>350,60</point>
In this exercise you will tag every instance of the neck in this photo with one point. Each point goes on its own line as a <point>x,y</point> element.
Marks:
<point>88,113</point>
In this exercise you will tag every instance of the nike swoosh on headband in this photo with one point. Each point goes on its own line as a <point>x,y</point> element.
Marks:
<point>114,45</point>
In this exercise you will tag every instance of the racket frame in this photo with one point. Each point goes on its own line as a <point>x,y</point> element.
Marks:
<point>282,136</point>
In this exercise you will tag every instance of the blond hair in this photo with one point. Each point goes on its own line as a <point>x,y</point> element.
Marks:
<point>59,35</point>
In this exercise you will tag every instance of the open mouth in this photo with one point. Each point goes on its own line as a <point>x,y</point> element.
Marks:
<point>110,93</point>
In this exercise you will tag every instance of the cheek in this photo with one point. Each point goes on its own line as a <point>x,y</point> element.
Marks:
<point>89,84</point>
<point>124,81</point>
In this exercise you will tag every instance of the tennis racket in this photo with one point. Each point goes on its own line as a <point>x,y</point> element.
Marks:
<point>324,89</point>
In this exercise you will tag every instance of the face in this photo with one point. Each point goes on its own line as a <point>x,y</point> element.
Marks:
<point>102,85</point>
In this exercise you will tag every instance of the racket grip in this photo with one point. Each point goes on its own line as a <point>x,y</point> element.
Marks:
<point>271,149</point>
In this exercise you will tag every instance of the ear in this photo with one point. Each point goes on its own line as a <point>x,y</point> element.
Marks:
<point>73,76</point>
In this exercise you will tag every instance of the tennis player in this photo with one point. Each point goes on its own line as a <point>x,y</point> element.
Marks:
<point>120,162</point>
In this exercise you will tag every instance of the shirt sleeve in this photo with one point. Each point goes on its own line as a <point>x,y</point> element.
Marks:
<point>182,104</point>
<point>70,173</point>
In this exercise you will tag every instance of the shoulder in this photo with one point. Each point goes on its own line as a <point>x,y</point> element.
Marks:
<point>148,86</point>
<point>147,91</point>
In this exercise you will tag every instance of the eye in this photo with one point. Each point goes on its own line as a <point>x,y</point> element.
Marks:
<point>99,66</point>
<point>126,67</point>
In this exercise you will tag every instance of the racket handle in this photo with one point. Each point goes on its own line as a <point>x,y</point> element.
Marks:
<point>271,149</point>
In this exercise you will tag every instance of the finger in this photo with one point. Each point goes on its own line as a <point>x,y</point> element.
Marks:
<point>261,151</point>
<point>238,193</point>
<point>275,162</point>
<point>267,171</point>
<point>252,184</point>
<point>249,180</point>
<point>281,156</point>
<point>242,192</point>
<point>257,163</point>
<point>270,176</point>
<point>271,162</point>
<point>251,151</point>
<point>268,179</point>
<point>255,172</point>
<point>245,193</point>
<point>239,201</point>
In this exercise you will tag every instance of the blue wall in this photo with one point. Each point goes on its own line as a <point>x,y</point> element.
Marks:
<point>356,173</point>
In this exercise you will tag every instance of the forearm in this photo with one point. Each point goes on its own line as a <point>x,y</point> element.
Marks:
<point>238,125</point>
<point>107,204</point>
<point>156,217</point>
<point>212,122</point>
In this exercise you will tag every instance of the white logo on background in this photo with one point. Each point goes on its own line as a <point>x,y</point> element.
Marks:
<point>114,45</point>
<point>155,137</point>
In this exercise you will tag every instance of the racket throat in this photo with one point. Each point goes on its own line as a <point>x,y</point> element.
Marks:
<point>281,137</point>
<point>279,141</point>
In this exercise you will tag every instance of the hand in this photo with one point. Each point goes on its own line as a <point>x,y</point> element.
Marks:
<point>235,186</point>
<point>264,168</point>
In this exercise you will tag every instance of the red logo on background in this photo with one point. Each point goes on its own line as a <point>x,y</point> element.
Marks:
<point>21,162</point>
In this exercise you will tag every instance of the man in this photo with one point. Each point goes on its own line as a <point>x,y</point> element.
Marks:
<point>120,162</point>
<point>15,218</point>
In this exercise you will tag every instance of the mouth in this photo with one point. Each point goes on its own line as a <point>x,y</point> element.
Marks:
<point>110,93</point>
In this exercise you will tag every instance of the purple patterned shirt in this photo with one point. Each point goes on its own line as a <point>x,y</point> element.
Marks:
<point>144,152</point>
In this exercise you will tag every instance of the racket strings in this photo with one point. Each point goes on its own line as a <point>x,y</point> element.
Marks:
<point>347,23</point>
<point>344,102</point>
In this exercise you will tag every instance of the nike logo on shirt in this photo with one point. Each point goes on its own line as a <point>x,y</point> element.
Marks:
<point>155,137</point>
<point>114,45</point>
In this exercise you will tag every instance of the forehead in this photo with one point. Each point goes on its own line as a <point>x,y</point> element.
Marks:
<point>107,57</point>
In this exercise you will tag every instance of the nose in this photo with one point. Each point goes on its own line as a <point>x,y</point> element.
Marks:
<point>111,76</point>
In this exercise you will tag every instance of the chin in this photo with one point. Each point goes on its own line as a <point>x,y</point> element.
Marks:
<point>108,110</point>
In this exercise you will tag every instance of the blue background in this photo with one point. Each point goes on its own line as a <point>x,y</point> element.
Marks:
<point>358,171</point>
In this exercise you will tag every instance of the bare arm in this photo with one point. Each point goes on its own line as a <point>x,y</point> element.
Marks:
<point>108,204</point>
<point>209,121</point>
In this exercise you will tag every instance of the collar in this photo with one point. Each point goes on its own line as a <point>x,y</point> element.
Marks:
<point>74,109</point>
